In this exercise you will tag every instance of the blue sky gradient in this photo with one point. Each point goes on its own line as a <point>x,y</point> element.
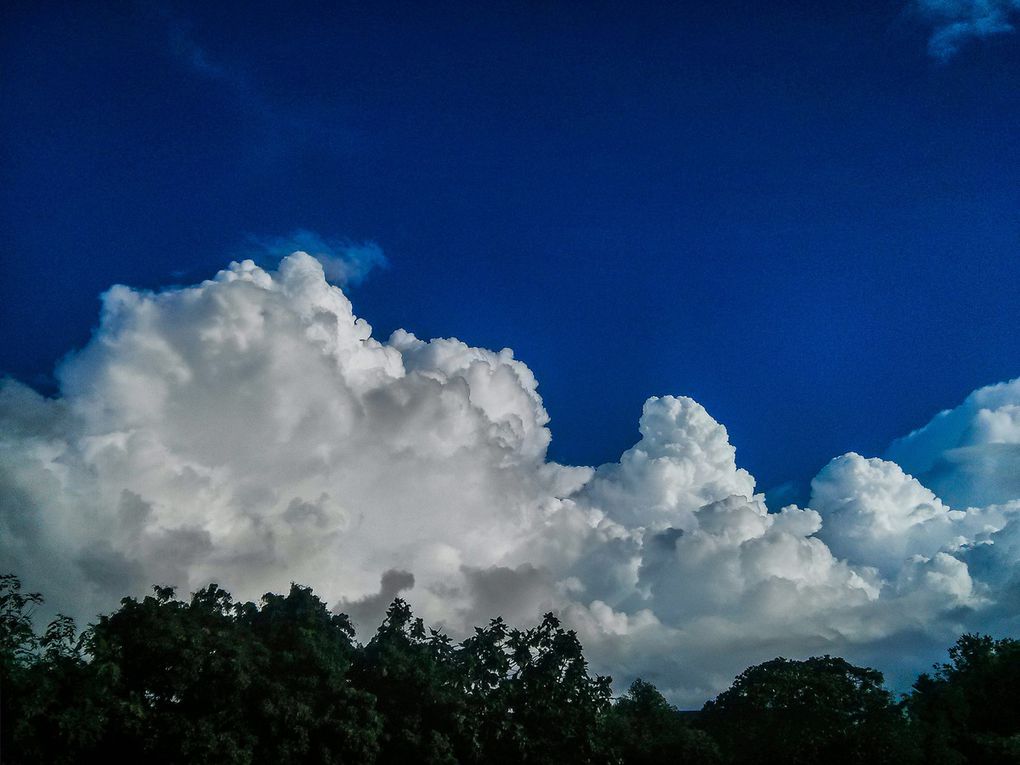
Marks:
<point>793,214</point>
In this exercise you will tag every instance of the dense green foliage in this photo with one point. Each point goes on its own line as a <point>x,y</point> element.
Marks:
<point>969,710</point>
<point>210,680</point>
<point>802,712</point>
<point>214,681</point>
<point>646,729</point>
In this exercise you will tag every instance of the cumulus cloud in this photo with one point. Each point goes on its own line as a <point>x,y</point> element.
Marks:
<point>969,455</point>
<point>251,430</point>
<point>957,22</point>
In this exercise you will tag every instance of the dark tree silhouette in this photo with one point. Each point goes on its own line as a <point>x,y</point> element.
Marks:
<point>410,672</point>
<point>536,699</point>
<point>209,680</point>
<point>303,704</point>
<point>643,729</point>
<point>822,710</point>
<point>968,711</point>
<point>49,697</point>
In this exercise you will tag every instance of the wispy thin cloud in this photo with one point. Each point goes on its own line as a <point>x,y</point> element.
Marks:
<point>959,22</point>
<point>344,261</point>
<point>278,128</point>
<point>195,56</point>
<point>198,59</point>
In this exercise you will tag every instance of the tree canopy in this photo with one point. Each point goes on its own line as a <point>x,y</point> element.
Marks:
<point>212,680</point>
<point>968,710</point>
<point>822,709</point>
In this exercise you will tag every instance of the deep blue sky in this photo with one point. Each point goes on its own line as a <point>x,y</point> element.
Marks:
<point>785,210</point>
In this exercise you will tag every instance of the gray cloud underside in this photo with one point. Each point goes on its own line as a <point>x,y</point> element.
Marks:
<point>249,430</point>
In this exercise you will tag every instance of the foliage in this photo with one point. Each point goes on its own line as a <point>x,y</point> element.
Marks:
<point>17,640</point>
<point>644,728</point>
<point>968,711</point>
<point>819,710</point>
<point>210,680</point>
<point>303,704</point>
<point>533,695</point>
<point>503,695</point>
<point>408,671</point>
<point>47,704</point>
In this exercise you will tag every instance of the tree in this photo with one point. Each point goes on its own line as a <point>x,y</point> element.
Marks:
<point>411,673</point>
<point>17,638</point>
<point>174,678</point>
<point>538,702</point>
<point>968,711</point>
<point>48,711</point>
<point>18,646</point>
<point>502,696</point>
<point>213,681</point>
<point>302,702</point>
<point>819,710</point>
<point>643,728</point>
<point>209,680</point>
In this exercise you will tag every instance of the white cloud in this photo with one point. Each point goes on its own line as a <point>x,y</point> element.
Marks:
<point>969,455</point>
<point>250,430</point>
<point>957,22</point>
<point>683,461</point>
<point>877,515</point>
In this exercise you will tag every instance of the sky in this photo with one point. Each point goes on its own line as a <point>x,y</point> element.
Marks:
<point>735,250</point>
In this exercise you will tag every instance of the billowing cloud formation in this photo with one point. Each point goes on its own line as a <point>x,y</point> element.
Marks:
<point>969,455</point>
<point>250,430</point>
<point>957,22</point>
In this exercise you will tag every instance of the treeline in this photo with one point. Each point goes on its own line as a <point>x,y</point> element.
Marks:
<point>211,680</point>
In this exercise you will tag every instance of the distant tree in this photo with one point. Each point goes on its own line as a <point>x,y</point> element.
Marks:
<point>503,695</point>
<point>202,681</point>
<point>303,705</point>
<point>18,646</point>
<point>410,672</point>
<point>538,703</point>
<point>643,729</point>
<point>174,678</point>
<point>47,692</point>
<point>968,711</point>
<point>822,710</point>
<point>17,638</point>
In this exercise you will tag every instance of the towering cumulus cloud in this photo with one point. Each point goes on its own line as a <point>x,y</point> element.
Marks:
<point>250,430</point>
